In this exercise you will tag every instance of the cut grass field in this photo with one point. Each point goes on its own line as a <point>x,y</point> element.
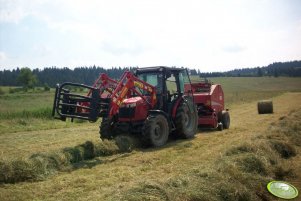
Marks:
<point>247,89</point>
<point>234,164</point>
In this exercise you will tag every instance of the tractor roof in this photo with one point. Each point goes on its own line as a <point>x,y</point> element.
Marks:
<point>157,69</point>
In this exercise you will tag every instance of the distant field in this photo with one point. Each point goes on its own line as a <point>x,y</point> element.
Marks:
<point>236,89</point>
<point>234,164</point>
<point>31,111</point>
<point>246,89</point>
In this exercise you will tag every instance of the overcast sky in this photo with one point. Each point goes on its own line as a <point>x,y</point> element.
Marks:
<point>210,35</point>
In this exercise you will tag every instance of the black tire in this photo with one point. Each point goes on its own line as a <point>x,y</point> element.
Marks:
<point>186,119</point>
<point>155,130</point>
<point>225,119</point>
<point>107,129</point>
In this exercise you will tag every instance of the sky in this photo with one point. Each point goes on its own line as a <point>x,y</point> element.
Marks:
<point>209,35</point>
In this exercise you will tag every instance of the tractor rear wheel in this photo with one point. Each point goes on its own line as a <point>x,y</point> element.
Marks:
<point>225,119</point>
<point>155,130</point>
<point>107,129</point>
<point>186,119</point>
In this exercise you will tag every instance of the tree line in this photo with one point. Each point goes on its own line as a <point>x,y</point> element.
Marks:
<point>288,69</point>
<point>50,76</point>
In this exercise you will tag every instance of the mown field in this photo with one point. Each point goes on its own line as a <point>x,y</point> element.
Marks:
<point>45,159</point>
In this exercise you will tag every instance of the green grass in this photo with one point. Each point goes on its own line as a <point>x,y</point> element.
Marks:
<point>234,164</point>
<point>22,101</point>
<point>33,104</point>
<point>28,111</point>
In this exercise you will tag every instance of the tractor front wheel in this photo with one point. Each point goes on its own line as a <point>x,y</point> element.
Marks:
<point>155,130</point>
<point>107,129</point>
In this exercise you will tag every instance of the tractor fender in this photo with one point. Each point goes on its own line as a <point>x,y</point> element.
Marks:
<point>155,112</point>
<point>175,106</point>
<point>177,103</point>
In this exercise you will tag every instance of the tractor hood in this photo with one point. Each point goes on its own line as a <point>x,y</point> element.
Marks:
<point>132,102</point>
<point>133,109</point>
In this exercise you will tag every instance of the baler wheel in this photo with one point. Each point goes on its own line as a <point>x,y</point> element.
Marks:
<point>225,119</point>
<point>186,119</point>
<point>155,130</point>
<point>107,129</point>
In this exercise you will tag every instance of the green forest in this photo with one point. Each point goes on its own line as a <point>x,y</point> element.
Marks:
<point>50,76</point>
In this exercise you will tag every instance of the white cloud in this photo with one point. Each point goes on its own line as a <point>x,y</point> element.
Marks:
<point>2,56</point>
<point>16,10</point>
<point>11,11</point>
<point>42,50</point>
<point>189,33</point>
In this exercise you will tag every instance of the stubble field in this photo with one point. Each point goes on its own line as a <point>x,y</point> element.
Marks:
<point>234,164</point>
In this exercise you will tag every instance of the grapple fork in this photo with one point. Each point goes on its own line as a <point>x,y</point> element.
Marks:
<point>68,104</point>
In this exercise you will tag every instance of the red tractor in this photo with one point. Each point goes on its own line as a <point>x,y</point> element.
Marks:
<point>154,102</point>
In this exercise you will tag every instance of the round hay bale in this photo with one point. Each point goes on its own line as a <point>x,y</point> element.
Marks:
<point>265,107</point>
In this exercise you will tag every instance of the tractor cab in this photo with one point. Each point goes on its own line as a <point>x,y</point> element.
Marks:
<point>169,83</point>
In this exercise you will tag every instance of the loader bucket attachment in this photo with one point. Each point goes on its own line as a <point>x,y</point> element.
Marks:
<point>68,104</point>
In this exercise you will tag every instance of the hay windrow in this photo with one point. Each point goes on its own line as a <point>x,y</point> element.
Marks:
<point>147,191</point>
<point>126,143</point>
<point>284,149</point>
<point>252,164</point>
<point>40,165</point>
<point>245,148</point>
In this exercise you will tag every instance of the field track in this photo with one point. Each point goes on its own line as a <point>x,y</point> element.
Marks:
<point>107,178</point>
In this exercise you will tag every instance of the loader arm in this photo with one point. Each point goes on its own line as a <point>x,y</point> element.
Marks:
<point>104,83</point>
<point>122,90</point>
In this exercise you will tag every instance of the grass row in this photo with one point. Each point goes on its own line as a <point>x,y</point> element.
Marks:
<point>241,173</point>
<point>41,165</point>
